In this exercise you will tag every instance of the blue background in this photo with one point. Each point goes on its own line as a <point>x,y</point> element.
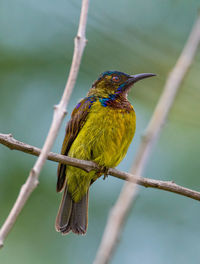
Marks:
<point>36,46</point>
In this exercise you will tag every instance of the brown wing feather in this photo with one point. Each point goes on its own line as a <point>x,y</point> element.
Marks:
<point>78,119</point>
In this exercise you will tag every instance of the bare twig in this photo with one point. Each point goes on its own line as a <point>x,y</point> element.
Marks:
<point>121,208</point>
<point>59,113</point>
<point>10,142</point>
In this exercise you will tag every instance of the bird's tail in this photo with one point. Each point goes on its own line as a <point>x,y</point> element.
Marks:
<point>72,216</point>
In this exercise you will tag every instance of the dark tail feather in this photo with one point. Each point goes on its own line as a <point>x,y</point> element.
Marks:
<point>72,216</point>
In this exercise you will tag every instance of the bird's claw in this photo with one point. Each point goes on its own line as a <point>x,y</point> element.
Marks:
<point>105,176</point>
<point>104,171</point>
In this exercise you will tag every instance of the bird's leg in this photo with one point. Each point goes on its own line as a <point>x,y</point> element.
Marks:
<point>105,176</point>
<point>104,171</point>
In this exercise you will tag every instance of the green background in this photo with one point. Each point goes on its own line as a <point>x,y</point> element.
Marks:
<point>36,46</point>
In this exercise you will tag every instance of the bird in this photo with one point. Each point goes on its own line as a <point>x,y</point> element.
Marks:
<point>101,128</point>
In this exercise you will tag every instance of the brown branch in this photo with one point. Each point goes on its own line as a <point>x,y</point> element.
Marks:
<point>122,207</point>
<point>59,113</point>
<point>8,141</point>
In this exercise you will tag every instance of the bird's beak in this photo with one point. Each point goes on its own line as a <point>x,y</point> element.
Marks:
<point>137,77</point>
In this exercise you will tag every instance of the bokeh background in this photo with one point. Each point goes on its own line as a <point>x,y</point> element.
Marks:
<point>36,45</point>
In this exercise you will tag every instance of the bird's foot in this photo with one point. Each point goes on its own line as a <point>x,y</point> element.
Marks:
<point>104,171</point>
<point>105,176</point>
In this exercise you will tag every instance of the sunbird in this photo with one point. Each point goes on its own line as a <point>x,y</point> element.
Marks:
<point>101,128</point>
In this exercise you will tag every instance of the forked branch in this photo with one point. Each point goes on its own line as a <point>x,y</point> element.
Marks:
<point>58,116</point>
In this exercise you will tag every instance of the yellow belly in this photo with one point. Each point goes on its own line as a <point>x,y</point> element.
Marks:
<point>104,138</point>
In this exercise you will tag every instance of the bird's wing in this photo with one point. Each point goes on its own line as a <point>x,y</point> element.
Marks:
<point>77,121</point>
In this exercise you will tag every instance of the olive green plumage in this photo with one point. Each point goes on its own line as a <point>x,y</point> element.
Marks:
<point>101,128</point>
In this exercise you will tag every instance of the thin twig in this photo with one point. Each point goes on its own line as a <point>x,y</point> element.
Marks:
<point>122,207</point>
<point>59,113</point>
<point>8,141</point>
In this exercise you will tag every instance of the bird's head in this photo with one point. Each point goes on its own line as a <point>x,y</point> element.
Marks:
<point>115,82</point>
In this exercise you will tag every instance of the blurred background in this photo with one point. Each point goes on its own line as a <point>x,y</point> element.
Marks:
<point>36,46</point>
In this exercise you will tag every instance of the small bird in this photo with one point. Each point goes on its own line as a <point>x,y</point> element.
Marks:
<point>101,128</point>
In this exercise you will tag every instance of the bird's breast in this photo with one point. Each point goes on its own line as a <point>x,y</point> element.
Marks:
<point>106,135</point>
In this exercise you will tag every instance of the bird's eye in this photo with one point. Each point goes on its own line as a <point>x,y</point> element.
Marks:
<point>115,79</point>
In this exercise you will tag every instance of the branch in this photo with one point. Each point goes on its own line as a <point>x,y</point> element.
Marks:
<point>59,113</point>
<point>8,141</point>
<point>122,207</point>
